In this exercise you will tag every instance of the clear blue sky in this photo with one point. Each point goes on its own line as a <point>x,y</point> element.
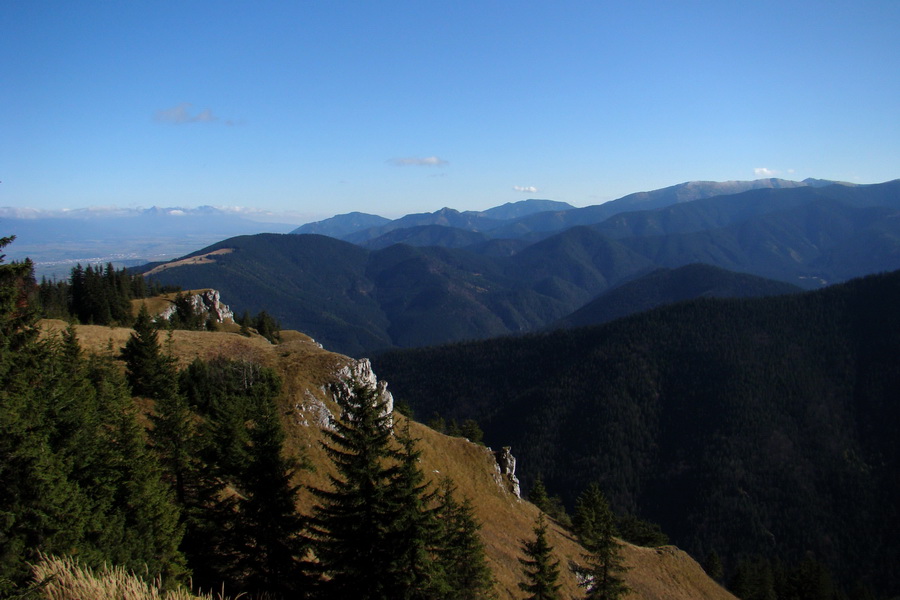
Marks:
<point>325,107</point>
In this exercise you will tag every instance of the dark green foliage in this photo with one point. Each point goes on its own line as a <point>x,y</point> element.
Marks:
<point>250,542</point>
<point>640,532</point>
<point>352,527</point>
<point>463,573</point>
<point>185,317</point>
<point>469,428</point>
<point>667,286</point>
<point>551,505</point>
<point>380,531</point>
<point>540,568</point>
<point>75,471</point>
<point>266,539</point>
<point>264,324</point>
<point>94,295</point>
<point>728,422</point>
<point>713,566</point>
<point>150,373</point>
<point>595,526</point>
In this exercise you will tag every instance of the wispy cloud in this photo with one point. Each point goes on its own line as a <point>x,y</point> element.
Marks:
<point>414,161</point>
<point>528,189</point>
<point>764,172</point>
<point>182,113</point>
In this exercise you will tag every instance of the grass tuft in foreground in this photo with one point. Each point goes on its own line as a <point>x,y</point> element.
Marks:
<point>64,579</point>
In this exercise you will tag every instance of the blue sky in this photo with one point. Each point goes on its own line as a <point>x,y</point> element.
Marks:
<point>320,108</point>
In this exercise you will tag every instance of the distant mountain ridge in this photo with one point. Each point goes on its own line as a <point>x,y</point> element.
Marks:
<point>433,284</point>
<point>533,216</point>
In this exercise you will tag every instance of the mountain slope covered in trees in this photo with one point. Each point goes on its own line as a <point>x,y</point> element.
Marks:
<point>228,461</point>
<point>667,286</point>
<point>358,300</point>
<point>755,427</point>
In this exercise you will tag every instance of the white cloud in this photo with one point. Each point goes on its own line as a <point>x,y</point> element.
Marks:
<point>427,161</point>
<point>181,113</point>
<point>764,172</point>
<point>528,189</point>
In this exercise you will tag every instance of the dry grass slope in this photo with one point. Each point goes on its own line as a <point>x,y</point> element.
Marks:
<point>307,369</point>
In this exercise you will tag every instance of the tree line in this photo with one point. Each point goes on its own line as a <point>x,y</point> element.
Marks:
<point>96,295</point>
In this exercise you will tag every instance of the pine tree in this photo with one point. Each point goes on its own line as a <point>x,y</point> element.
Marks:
<point>538,495</point>
<point>540,568</point>
<point>595,526</point>
<point>75,471</point>
<point>352,526</point>
<point>151,374</point>
<point>461,560</point>
<point>267,540</point>
<point>414,527</point>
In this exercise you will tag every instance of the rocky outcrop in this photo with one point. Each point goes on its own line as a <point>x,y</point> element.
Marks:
<point>312,411</point>
<point>506,471</point>
<point>205,302</point>
<point>360,371</point>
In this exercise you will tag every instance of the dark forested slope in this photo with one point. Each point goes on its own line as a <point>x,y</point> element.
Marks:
<point>667,286</point>
<point>763,426</point>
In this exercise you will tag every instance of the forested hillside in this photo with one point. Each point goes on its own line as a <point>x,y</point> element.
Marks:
<point>253,469</point>
<point>747,428</point>
<point>432,279</point>
<point>667,286</point>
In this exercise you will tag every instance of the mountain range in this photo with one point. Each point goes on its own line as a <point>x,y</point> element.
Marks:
<point>447,276</point>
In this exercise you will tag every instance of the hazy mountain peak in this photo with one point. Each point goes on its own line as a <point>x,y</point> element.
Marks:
<point>522,208</point>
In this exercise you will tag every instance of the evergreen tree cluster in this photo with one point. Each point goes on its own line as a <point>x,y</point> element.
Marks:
<point>76,474</point>
<point>594,525</point>
<point>96,295</point>
<point>379,530</point>
<point>265,325</point>
<point>207,494</point>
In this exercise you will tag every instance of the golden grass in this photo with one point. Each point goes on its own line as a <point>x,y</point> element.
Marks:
<point>306,369</point>
<point>203,259</point>
<point>64,579</point>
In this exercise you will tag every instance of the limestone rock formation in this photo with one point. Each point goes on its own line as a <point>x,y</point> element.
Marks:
<point>206,302</point>
<point>506,471</point>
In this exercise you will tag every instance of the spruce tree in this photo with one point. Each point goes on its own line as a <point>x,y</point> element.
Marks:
<point>463,572</point>
<point>353,524</point>
<point>538,495</point>
<point>75,471</point>
<point>595,526</point>
<point>267,542</point>
<point>414,527</point>
<point>540,568</point>
<point>151,374</point>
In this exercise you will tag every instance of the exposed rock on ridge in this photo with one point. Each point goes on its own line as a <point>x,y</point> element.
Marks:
<point>506,471</point>
<point>204,302</point>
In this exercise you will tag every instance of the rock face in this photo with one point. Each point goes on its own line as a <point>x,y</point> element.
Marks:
<point>506,470</point>
<point>360,371</point>
<point>205,302</point>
